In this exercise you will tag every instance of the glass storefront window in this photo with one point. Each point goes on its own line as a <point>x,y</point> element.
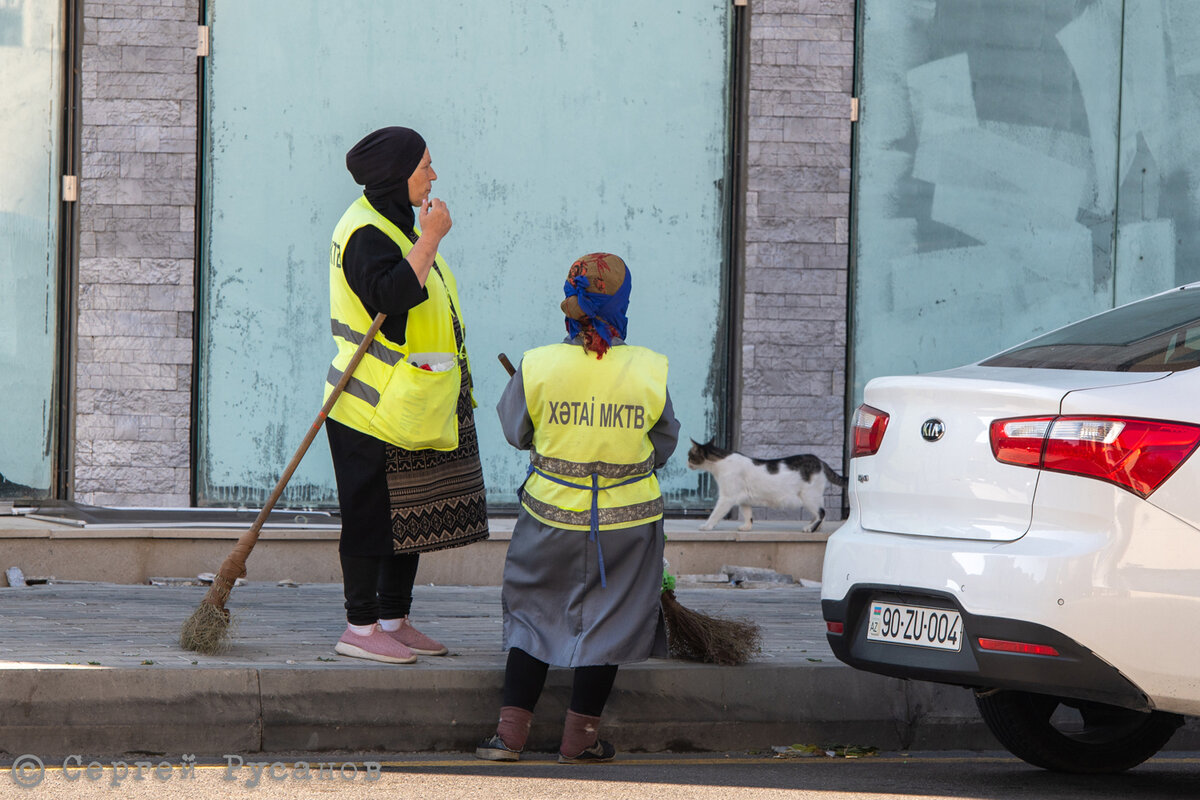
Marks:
<point>31,61</point>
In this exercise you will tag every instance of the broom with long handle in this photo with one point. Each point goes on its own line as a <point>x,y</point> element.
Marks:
<point>206,630</point>
<point>694,636</point>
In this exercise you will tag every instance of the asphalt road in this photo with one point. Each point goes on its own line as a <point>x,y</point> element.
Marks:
<point>925,776</point>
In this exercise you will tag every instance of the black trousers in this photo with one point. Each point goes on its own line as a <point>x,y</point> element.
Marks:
<point>525,676</point>
<point>360,466</point>
<point>378,587</point>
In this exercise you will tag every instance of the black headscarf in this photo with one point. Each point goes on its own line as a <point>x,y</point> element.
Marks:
<point>382,163</point>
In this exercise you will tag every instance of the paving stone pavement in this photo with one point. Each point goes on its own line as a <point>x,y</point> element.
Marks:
<point>114,625</point>
<point>95,667</point>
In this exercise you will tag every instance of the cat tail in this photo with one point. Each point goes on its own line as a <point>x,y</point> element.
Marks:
<point>833,477</point>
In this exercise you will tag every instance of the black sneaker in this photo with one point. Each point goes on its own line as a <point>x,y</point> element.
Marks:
<point>493,749</point>
<point>600,751</point>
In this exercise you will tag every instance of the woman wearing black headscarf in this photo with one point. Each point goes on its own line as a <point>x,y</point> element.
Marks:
<point>402,435</point>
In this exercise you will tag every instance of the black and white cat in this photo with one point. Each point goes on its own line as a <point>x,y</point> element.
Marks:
<point>795,481</point>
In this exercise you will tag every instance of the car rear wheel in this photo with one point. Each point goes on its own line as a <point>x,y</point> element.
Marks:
<point>1074,735</point>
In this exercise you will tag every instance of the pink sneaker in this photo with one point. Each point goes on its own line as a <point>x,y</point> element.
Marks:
<point>416,641</point>
<point>376,646</point>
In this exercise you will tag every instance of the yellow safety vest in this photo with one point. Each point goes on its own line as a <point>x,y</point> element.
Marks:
<point>388,397</point>
<point>591,420</point>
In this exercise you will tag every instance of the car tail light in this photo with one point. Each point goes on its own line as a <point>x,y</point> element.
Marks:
<point>1135,454</point>
<point>835,627</point>
<point>869,426</point>
<point>1020,441</point>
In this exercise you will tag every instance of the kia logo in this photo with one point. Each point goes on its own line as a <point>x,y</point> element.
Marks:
<point>932,430</point>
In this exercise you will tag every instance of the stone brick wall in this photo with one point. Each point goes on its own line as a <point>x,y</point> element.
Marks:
<point>797,230</point>
<point>136,253</point>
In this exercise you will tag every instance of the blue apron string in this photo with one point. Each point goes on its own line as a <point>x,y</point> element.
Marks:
<point>594,535</point>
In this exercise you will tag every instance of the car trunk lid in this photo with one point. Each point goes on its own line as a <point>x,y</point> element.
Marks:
<point>952,486</point>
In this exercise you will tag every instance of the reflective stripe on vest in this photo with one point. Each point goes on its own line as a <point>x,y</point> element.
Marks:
<point>354,387</point>
<point>429,328</point>
<point>594,521</point>
<point>343,331</point>
<point>592,419</point>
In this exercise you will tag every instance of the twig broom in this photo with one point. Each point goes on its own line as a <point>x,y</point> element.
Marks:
<point>698,637</point>
<point>694,636</point>
<point>207,629</point>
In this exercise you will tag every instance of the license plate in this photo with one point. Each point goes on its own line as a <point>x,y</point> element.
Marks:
<point>915,626</point>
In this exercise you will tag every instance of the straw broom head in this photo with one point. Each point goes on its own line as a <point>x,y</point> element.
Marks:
<point>698,637</point>
<point>207,629</point>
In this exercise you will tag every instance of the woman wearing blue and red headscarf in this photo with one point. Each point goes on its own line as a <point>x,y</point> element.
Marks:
<point>583,575</point>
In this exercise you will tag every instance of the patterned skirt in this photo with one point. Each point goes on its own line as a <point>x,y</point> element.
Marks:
<point>436,497</point>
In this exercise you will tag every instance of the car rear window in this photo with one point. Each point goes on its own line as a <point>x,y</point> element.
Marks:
<point>1158,334</point>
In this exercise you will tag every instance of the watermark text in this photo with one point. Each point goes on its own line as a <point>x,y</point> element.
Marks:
<point>29,771</point>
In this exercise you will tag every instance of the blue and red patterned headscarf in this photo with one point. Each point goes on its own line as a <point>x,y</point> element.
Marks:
<point>597,297</point>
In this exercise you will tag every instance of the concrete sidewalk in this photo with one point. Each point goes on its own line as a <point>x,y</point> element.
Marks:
<point>95,669</point>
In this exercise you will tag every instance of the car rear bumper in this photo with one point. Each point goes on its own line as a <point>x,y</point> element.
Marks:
<point>1075,672</point>
<point>1107,570</point>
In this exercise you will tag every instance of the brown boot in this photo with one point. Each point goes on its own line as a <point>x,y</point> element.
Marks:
<point>581,742</point>
<point>509,740</point>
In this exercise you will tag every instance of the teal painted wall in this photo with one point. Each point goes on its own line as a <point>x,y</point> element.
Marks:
<point>556,130</point>
<point>1020,165</point>
<point>30,133</point>
<point>1158,230</point>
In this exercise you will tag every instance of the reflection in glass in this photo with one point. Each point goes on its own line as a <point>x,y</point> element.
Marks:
<point>30,136</point>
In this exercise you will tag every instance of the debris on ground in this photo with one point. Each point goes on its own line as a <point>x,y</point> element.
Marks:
<point>715,577</point>
<point>824,751</point>
<point>741,575</point>
<point>737,577</point>
<point>16,578</point>
<point>162,581</point>
<point>206,579</point>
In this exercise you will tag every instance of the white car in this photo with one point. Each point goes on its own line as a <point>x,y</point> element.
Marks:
<point>1029,526</point>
